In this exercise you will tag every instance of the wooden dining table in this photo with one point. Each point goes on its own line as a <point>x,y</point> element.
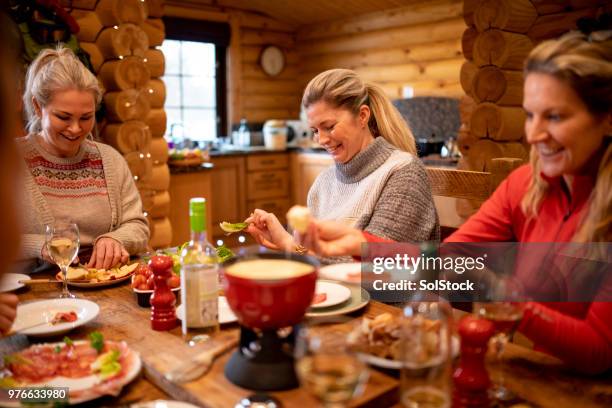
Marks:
<point>538,379</point>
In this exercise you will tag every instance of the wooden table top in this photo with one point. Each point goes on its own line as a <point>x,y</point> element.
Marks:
<point>535,377</point>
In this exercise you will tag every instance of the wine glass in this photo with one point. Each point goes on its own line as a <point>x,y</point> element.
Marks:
<point>62,241</point>
<point>326,365</point>
<point>505,317</point>
<point>426,350</point>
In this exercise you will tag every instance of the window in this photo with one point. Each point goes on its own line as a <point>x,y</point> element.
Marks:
<point>195,79</point>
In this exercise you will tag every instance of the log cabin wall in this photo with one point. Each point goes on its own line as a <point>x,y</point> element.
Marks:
<point>251,93</point>
<point>417,46</point>
<point>499,36</point>
<point>121,37</point>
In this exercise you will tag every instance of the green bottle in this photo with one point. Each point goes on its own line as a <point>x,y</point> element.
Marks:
<point>199,279</point>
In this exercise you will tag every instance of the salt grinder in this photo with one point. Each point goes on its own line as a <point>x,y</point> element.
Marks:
<point>471,379</point>
<point>163,313</point>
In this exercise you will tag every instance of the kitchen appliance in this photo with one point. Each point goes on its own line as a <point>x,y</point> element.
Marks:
<point>268,311</point>
<point>299,134</point>
<point>275,134</point>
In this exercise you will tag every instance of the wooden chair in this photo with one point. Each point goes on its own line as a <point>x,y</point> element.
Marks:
<point>469,185</point>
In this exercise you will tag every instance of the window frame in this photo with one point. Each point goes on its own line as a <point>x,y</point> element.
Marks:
<point>217,33</point>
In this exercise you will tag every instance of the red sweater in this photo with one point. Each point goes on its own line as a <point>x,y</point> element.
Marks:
<point>578,333</point>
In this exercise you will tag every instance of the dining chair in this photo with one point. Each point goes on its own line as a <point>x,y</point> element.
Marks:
<point>470,185</point>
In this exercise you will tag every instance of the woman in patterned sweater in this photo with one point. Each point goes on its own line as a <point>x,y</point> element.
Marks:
<point>69,176</point>
<point>377,184</point>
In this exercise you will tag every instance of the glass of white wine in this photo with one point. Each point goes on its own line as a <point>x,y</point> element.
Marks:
<point>62,241</point>
<point>326,365</point>
<point>506,317</point>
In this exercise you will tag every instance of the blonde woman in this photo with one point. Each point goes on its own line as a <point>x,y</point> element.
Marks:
<point>377,184</point>
<point>564,194</point>
<point>69,176</point>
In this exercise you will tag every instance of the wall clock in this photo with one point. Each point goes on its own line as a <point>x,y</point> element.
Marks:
<point>272,60</point>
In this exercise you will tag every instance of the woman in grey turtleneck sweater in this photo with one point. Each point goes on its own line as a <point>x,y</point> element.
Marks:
<point>378,184</point>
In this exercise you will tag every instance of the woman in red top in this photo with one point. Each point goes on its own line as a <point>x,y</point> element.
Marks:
<point>564,194</point>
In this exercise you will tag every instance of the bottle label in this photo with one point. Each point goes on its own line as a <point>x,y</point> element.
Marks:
<point>200,296</point>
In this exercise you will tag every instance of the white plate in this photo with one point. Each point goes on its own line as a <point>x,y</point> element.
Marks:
<point>225,313</point>
<point>396,365</point>
<point>163,404</point>
<point>349,272</point>
<point>88,284</point>
<point>40,311</point>
<point>335,292</point>
<point>359,299</point>
<point>10,281</point>
<point>84,384</point>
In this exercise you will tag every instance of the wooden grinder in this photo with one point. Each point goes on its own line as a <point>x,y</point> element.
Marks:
<point>163,313</point>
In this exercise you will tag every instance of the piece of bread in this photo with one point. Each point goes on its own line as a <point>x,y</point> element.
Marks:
<point>298,218</point>
<point>77,274</point>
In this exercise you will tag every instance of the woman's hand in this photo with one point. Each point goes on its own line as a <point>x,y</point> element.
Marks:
<point>108,253</point>
<point>8,311</point>
<point>267,230</point>
<point>331,238</point>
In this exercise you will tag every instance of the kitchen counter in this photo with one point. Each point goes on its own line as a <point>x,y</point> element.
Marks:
<point>245,150</point>
<point>190,169</point>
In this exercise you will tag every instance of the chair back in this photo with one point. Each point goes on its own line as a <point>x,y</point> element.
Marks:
<point>473,186</point>
<point>470,185</point>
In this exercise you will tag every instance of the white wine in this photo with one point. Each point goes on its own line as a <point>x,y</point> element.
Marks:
<point>331,378</point>
<point>504,316</point>
<point>62,251</point>
<point>199,280</point>
<point>425,397</point>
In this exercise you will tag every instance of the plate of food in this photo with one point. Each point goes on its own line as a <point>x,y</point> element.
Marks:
<point>11,281</point>
<point>88,368</point>
<point>84,277</point>
<point>226,315</point>
<point>52,317</point>
<point>377,342</point>
<point>329,294</point>
<point>349,272</point>
<point>358,299</point>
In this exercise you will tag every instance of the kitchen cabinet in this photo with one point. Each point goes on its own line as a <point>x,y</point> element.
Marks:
<point>228,200</point>
<point>183,187</point>
<point>268,183</point>
<point>305,167</point>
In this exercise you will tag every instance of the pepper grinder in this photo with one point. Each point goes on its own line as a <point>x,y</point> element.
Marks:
<point>471,379</point>
<point>163,313</point>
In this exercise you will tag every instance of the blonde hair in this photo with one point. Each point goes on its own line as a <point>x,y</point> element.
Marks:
<point>587,68</point>
<point>55,70</point>
<point>343,88</point>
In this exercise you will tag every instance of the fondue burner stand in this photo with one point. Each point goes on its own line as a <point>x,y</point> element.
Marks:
<point>264,360</point>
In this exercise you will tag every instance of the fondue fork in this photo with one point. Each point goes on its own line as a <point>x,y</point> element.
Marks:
<point>199,364</point>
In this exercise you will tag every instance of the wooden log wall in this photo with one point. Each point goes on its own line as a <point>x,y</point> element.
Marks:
<point>264,97</point>
<point>417,46</point>
<point>122,39</point>
<point>499,36</point>
<point>251,94</point>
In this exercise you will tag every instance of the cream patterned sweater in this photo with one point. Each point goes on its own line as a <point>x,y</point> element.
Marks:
<point>95,189</point>
<point>382,190</point>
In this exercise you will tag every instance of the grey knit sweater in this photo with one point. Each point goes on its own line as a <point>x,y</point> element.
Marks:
<point>382,190</point>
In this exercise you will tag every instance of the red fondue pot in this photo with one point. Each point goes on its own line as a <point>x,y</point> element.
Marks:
<point>271,303</point>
